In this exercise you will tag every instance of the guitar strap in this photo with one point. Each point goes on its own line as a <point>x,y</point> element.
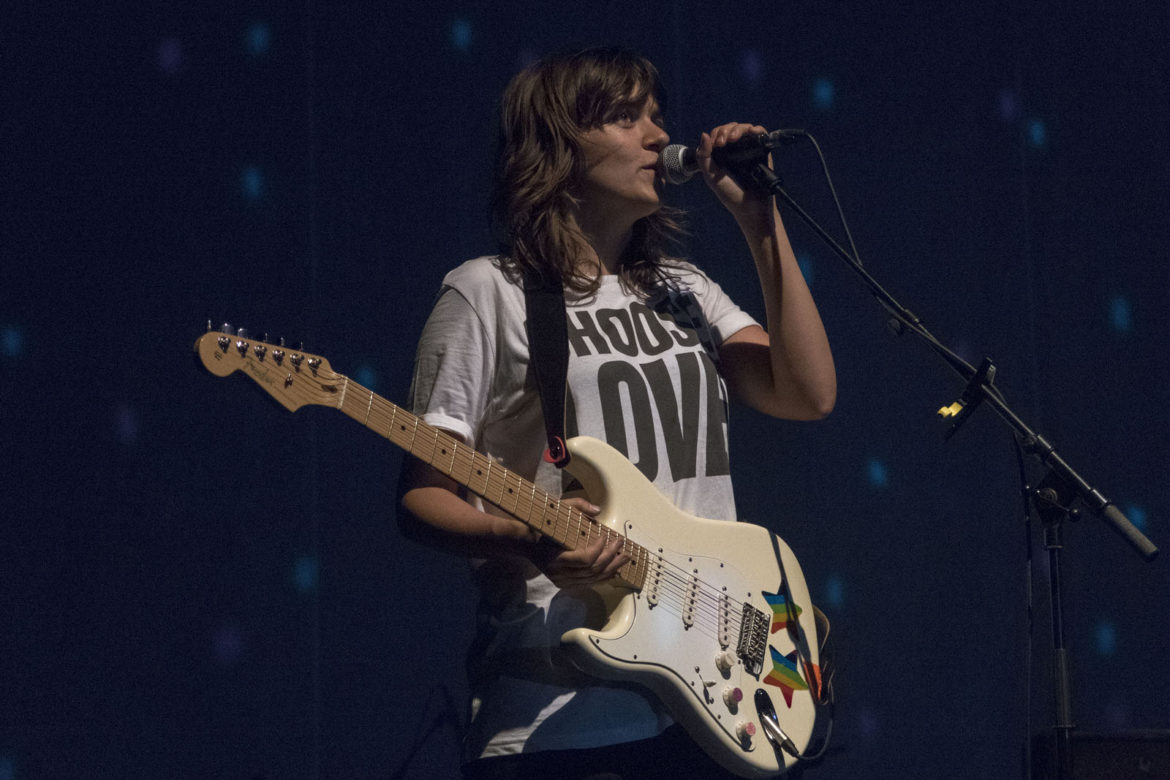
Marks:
<point>548,348</point>
<point>684,308</point>
<point>548,345</point>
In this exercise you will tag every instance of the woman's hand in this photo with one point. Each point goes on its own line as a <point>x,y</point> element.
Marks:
<point>584,566</point>
<point>743,204</point>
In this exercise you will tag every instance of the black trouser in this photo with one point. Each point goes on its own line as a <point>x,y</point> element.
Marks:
<point>671,755</point>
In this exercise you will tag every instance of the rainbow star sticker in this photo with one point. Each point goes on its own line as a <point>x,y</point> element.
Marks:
<point>784,675</point>
<point>781,611</point>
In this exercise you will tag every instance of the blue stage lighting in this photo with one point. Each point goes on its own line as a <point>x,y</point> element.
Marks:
<point>259,39</point>
<point>1121,314</point>
<point>461,34</point>
<point>1105,635</point>
<point>252,182</point>
<point>1036,133</point>
<point>367,377</point>
<point>12,341</point>
<point>834,592</point>
<point>305,574</point>
<point>823,94</point>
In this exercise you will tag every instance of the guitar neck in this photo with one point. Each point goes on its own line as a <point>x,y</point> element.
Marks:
<point>568,527</point>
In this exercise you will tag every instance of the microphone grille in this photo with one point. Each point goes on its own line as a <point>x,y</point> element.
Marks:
<point>674,169</point>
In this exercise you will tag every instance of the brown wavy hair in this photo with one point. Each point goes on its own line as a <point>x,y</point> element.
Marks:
<point>544,112</point>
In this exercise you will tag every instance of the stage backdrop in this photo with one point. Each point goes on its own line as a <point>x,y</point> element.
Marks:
<point>196,583</point>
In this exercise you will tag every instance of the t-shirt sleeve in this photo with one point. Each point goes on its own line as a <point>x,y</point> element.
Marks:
<point>453,367</point>
<point>723,315</point>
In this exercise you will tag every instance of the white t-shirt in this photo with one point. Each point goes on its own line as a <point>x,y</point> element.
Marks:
<point>639,381</point>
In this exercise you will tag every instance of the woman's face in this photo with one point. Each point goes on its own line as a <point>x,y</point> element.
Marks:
<point>621,178</point>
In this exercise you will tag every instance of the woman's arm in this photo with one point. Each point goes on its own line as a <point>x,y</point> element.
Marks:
<point>432,511</point>
<point>787,370</point>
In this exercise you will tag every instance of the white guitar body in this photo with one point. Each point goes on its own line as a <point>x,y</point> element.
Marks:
<point>712,616</point>
<point>679,635</point>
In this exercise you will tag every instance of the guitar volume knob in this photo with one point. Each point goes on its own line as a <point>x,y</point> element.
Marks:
<point>745,730</point>
<point>724,661</point>
<point>732,696</point>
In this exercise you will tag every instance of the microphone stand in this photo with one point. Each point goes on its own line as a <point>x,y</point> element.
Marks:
<point>1056,492</point>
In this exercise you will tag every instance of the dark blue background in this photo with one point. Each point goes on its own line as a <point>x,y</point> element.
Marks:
<point>194,582</point>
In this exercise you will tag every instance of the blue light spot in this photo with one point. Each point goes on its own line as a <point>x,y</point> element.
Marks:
<point>1137,516</point>
<point>1121,314</point>
<point>259,39</point>
<point>1036,133</point>
<point>1106,636</point>
<point>834,592</point>
<point>252,182</point>
<point>461,34</point>
<point>228,645</point>
<point>170,55</point>
<point>877,474</point>
<point>126,424</point>
<point>823,94</point>
<point>12,341</point>
<point>806,267</point>
<point>751,65</point>
<point>367,377</point>
<point>1009,105</point>
<point>867,723</point>
<point>305,574</point>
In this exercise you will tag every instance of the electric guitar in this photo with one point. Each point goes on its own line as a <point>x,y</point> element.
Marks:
<point>713,617</point>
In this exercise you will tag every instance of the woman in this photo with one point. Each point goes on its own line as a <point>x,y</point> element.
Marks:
<point>578,199</point>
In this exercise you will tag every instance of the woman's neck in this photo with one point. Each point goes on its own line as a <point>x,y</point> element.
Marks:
<point>606,243</point>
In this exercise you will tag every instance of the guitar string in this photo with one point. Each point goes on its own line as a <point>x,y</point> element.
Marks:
<point>461,459</point>
<point>675,584</point>
<point>712,605</point>
<point>667,567</point>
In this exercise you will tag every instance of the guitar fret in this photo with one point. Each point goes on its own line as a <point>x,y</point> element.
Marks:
<point>550,526</point>
<point>474,468</point>
<point>522,503</point>
<point>562,517</point>
<point>432,439</point>
<point>502,478</point>
<point>509,491</point>
<point>451,466</point>
<point>393,427</point>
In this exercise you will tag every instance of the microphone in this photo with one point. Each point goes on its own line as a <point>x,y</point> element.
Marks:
<point>678,162</point>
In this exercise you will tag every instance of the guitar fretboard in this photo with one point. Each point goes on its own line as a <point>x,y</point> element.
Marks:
<point>519,497</point>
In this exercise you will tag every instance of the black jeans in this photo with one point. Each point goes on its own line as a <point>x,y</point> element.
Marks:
<point>672,755</point>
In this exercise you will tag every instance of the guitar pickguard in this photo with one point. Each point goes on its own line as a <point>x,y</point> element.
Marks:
<point>711,625</point>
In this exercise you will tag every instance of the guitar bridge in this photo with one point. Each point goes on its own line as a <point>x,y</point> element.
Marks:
<point>753,639</point>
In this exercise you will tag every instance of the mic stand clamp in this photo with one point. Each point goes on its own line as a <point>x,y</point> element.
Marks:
<point>972,396</point>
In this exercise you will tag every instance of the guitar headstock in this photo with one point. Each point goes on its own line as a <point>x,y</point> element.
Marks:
<point>292,376</point>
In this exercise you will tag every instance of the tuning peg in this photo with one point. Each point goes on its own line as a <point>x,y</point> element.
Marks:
<point>227,329</point>
<point>282,341</point>
<point>242,333</point>
<point>265,339</point>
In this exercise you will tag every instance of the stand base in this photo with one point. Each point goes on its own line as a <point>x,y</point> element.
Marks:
<point>1139,754</point>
